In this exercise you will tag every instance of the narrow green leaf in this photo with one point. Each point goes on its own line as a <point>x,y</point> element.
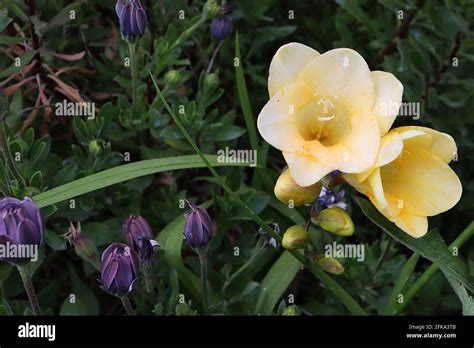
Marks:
<point>244,96</point>
<point>466,300</point>
<point>275,283</point>
<point>431,246</point>
<point>119,174</point>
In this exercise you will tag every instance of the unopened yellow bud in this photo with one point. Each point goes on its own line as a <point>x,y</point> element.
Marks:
<point>295,237</point>
<point>335,220</point>
<point>330,265</point>
<point>288,191</point>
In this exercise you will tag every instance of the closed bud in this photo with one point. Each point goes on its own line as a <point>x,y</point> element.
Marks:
<point>139,237</point>
<point>330,265</point>
<point>97,147</point>
<point>287,190</point>
<point>221,27</point>
<point>132,18</point>
<point>211,81</point>
<point>335,220</point>
<point>211,9</point>
<point>119,269</point>
<point>83,246</point>
<point>172,77</point>
<point>198,228</point>
<point>295,237</point>
<point>292,311</point>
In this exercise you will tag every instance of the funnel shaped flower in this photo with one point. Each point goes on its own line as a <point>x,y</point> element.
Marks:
<point>198,229</point>
<point>119,269</point>
<point>140,238</point>
<point>21,224</point>
<point>132,18</point>
<point>411,179</point>
<point>326,111</point>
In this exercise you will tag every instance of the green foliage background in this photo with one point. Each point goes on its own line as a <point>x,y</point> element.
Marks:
<point>428,45</point>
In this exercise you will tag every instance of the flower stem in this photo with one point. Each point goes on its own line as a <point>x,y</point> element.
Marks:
<point>148,275</point>
<point>134,72</point>
<point>30,290</point>
<point>10,163</point>
<point>332,285</point>
<point>203,260</point>
<point>127,305</point>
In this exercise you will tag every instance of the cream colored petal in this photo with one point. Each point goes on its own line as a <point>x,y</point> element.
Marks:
<point>376,193</point>
<point>354,152</point>
<point>388,98</point>
<point>342,76</point>
<point>415,226</point>
<point>423,182</point>
<point>391,146</point>
<point>286,65</point>
<point>305,169</point>
<point>438,143</point>
<point>277,122</point>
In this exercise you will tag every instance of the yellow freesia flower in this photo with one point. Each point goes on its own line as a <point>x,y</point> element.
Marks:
<point>327,111</point>
<point>411,179</point>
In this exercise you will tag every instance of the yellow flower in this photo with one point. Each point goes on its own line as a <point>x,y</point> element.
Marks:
<point>288,191</point>
<point>411,179</point>
<point>327,111</point>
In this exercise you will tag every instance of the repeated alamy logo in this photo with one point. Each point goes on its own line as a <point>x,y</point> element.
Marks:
<point>346,251</point>
<point>67,108</point>
<point>28,330</point>
<point>19,251</point>
<point>410,109</point>
<point>230,156</point>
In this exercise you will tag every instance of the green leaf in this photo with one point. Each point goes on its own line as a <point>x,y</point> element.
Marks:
<point>276,282</point>
<point>244,97</point>
<point>25,59</point>
<point>4,20</point>
<point>224,133</point>
<point>54,241</point>
<point>119,174</point>
<point>466,300</point>
<point>76,308</point>
<point>431,246</point>
<point>83,292</point>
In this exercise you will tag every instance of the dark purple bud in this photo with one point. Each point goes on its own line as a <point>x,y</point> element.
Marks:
<point>198,229</point>
<point>139,237</point>
<point>221,27</point>
<point>132,18</point>
<point>119,269</point>
<point>227,8</point>
<point>21,224</point>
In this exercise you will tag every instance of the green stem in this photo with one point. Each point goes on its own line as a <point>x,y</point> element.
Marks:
<point>203,261</point>
<point>431,270</point>
<point>10,163</point>
<point>385,253</point>
<point>187,33</point>
<point>127,305</point>
<point>343,296</point>
<point>148,275</point>
<point>30,290</point>
<point>134,72</point>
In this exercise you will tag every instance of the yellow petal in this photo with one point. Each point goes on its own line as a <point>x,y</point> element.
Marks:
<point>415,226</point>
<point>305,169</point>
<point>388,98</point>
<point>342,76</point>
<point>286,65</point>
<point>438,143</point>
<point>391,146</point>
<point>426,185</point>
<point>277,122</point>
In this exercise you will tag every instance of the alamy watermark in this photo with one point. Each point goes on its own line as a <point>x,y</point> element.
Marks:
<point>84,109</point>
<point>231,156</point>
<point>410,109</point>
<point>353,251</point>
<point>19,251</point>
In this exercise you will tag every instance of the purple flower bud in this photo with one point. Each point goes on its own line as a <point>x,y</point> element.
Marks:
<point>328,199</point>
<point>221,27</point>
<point>132,18</point>
<point>227,8</point>
<point>198,229</point>
<point>139,237</point>
<point>83,246</point>
<point>21,224</point>
<point>119,269</point>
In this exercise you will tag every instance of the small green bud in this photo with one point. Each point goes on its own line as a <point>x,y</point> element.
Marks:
<point>183,309</point>
<point>292,311</point>
<point>330,265</point>
<point>172,77</point>
<point>295,237</point>
<point>97,147</point>
<point>211,9</point>
<point>335,220</point>
<point>211,81</point>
